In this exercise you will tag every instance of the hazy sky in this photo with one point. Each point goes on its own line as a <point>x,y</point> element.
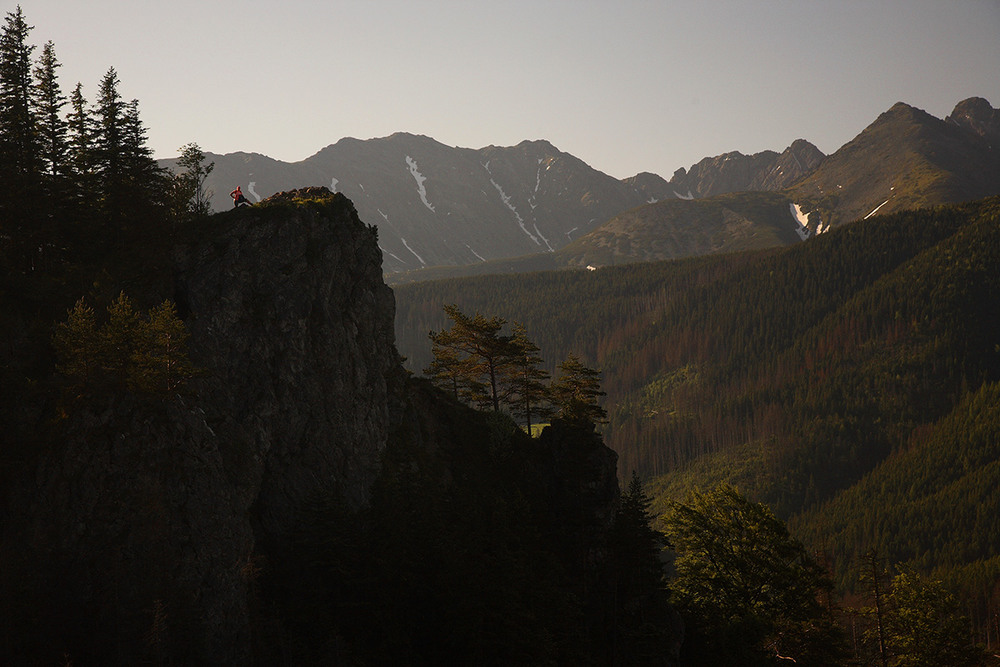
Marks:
<point>625,85</point>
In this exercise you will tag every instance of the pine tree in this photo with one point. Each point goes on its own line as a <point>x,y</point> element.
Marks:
<point>77,344</point>
<point>118,339</point>
<point>476,357</point>
<point>576,392</point>
<point>160,361</point>
<point>528,381</point>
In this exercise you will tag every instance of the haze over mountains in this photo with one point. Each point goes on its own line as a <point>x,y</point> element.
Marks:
<point>439,206</point>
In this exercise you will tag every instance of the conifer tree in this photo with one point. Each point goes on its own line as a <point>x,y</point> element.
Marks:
<point>48,102</point>
<point>19,154</point>
<point>20,166</point>
<point>109,145</point>
<point>576,392</point>
<point>81,132</point>
<point>528,380</point>
<point>160,361</point>
<point>77,344</point>
<point>147,181</point>
<point>118,338</point>
<point>476,355</point>
<point>640,618</point>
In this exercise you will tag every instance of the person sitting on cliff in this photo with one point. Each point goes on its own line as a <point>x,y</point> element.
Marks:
<point>238,198</point>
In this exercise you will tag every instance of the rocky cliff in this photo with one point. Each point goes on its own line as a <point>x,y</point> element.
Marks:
<point>171,529</point>
<point>147,516</point>
<point>290,318</point>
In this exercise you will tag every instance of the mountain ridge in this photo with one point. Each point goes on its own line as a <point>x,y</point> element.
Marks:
<point>440,206</point>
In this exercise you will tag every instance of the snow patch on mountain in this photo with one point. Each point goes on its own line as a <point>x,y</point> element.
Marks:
<point>803,219</point>
<point>392,254</point>
<point>505,198</point>
<point>419,178</point>
<point>252,192</point>
<point>547,244</point>
<point>875,210</point>
<point>538,183</point>
<point>422,262</point>
<point>333,185</point>
<point>688,197</point>
<point>481,258</point>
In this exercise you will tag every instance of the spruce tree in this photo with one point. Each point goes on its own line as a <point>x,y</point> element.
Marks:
<point>108,146</point>
<point>48,102</point>
<point>19,153</point>
<point>81,161</point>
<point>20,165</point>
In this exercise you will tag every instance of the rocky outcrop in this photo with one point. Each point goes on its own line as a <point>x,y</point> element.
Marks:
<point>290,318</point>
<point>145,524</point>
<point>978,117</point>
<point>766,171</point>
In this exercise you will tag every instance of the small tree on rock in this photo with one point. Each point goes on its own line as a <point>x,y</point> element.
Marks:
<point>576,392</point>
<point>530,390</point>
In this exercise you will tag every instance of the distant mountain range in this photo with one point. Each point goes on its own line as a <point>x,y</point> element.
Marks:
<point>475,210</point>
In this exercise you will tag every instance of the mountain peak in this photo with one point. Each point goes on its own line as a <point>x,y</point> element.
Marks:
<point>976,114</point>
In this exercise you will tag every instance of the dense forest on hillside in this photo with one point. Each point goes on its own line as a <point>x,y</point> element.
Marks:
<point>758,324</point>
<point>794,373</point>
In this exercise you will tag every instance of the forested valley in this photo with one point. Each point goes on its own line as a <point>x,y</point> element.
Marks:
<point>832,380</point>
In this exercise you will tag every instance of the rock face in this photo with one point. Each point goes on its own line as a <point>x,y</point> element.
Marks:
<point>289,316</point>
<point>142,527</point>
<point>976,115</point>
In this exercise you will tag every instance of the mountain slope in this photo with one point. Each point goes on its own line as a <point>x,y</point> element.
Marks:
<point>850,381</point>
<point>907,159</point>
<point>438,205</point>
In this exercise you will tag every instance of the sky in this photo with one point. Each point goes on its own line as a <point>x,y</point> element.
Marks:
<point>625,85</point>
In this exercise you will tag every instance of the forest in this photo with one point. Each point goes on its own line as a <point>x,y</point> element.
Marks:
<point>828,379</point>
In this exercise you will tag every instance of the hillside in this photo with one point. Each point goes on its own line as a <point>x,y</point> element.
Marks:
<point>907,159</point>
<point>439,206</point>
<point>794,373</point>
<point>669,229</point>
